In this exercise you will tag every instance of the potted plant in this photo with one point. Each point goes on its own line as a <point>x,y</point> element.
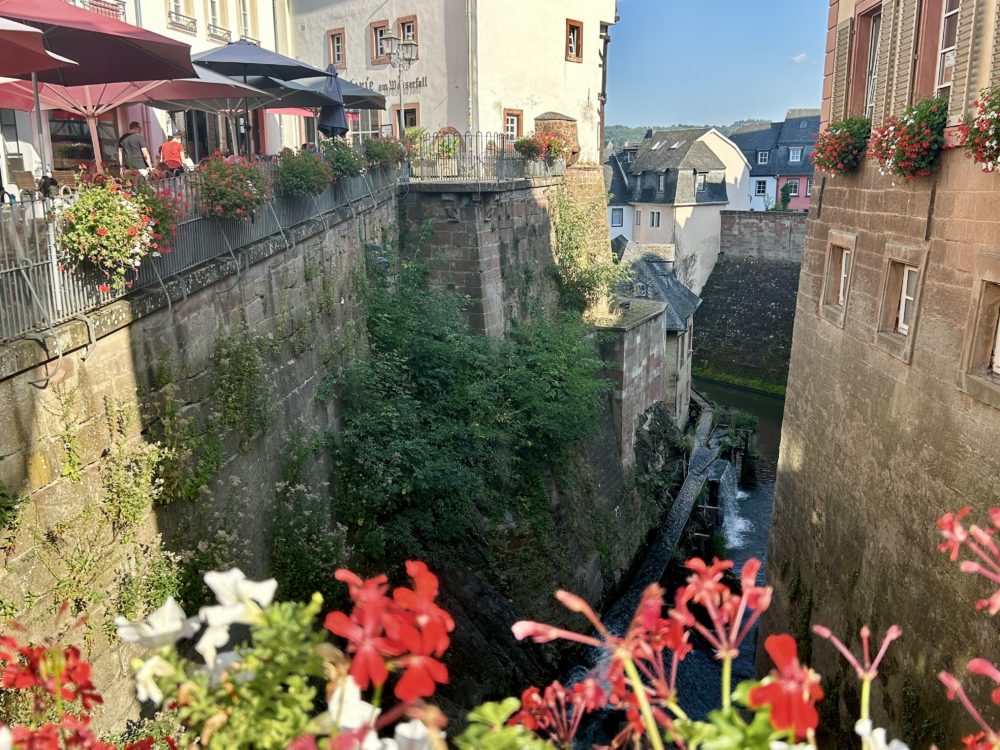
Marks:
<point>108,228</point>
<point>909,145</point>
<point>300,174</point>
<point>384,152</point>
<point>342,158</point>
<point>231,190</point>
<point>841,147</point>
<point>980,133</point>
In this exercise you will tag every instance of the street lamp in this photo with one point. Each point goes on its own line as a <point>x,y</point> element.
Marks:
<point>401,54</point>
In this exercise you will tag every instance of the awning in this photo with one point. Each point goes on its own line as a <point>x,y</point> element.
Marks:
<point>292,111</point>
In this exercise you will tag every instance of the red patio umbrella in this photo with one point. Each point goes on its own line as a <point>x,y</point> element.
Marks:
<point>107,50</point>
<point>22,51</point>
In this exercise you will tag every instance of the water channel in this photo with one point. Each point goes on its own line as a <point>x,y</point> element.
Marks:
<point>746,527</point>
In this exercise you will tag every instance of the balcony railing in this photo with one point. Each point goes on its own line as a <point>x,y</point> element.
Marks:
<point>219,33</point>
<point>245,38</point>
<point>181,22</point>
<point>110,8</point>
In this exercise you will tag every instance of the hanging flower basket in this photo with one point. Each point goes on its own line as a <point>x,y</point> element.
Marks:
<point>980,133</point>
<point>841,147</point>
<point>231,190</point>
<point>909,145</point>
<point>107,228</point>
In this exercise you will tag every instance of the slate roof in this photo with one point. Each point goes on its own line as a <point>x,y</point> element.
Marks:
<point>760,136</point>
<point>657,154</point>
<point>799,129</point>
<point>616,181</point>
<point>654,278</point>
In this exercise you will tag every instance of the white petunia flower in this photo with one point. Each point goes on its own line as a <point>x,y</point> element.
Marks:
<point>163,627</point>
<point>876,737</point>
<point>413,735</point>
<point>348,710</point>
<point>6,739</point>
<point>232,588</point>
<point>146,688</point>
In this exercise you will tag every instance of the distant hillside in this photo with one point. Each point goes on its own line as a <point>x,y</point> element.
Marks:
<point>621,133</point>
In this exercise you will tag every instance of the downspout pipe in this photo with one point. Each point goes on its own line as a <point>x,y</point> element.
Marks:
<point>469,71</point>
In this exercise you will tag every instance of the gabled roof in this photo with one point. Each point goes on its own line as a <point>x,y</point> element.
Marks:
<point>654,278</point>
<point>675,149</point>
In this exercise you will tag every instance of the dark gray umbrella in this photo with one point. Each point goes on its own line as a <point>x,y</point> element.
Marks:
<point>291,93</point>
<point>332,117</point>
<point>354,96</point>
<point>243,59</point>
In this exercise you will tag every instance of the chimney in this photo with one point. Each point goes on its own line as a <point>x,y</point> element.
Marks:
<point>649,134</point>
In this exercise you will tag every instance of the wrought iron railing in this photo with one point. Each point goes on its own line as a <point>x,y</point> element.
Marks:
<point>182,23</point>
<point>110,8</point>
<point>219,33</point>
<point>37,292</point>
<point>478,157</point>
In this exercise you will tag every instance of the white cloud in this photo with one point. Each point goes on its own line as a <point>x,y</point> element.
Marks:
<point>801,57</point>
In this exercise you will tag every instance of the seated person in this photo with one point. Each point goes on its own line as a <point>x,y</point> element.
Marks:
<point>172,152</point>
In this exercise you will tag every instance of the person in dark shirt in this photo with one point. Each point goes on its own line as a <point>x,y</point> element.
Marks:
<point>132,151</point>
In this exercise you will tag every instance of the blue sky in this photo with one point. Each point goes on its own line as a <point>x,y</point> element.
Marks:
<point>714,61</point>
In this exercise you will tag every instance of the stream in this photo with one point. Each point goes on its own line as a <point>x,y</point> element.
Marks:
<point>746,525</point>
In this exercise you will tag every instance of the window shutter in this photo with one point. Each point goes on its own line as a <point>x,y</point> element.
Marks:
<point>884,76</point>
<point>966,49</point>
<point>995,67</point>
<point>904,54</point>
<point>841,69</point>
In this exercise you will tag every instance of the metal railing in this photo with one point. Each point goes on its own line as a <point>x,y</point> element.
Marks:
<point>219,33</point>
<point>477,157</point>
<point>110,8</point>
<point>37,292</point>
<point>182,23</point>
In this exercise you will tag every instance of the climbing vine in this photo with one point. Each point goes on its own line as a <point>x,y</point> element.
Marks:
<point>239,385</point>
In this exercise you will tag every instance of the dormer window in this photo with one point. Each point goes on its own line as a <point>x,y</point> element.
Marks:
<point>661,182</point>
<point>699,181</point>
<point>763,157</point>
<point>795,154</point>
<point>677,145</point>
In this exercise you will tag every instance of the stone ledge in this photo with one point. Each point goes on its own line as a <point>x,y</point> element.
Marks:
<point>638,312</point>
<point>472,186</point>
<point>25,353</point>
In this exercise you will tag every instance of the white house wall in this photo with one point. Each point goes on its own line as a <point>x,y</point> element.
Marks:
<point>762,203</point>
<point>737,169</point>
<point>697,236</point>
<point>521,52</point>
<point>628,219</point>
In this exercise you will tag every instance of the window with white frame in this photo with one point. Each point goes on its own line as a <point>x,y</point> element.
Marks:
<point>380,50</point>
<point>760,187</point>
<point>364,123</point>
<point>995,357</point>
<point>699,182</point>
<point>246,18</point>
<point>177,7</point>
<point>337,48</point>
<point>946,51</point>
<point>839,275</point>
<point>574,40</point>
<point>638,217</point>
<point>809,186</point>
<point>661,182</point>
<point>214,12</point>
<point>654,219</point>
<point>763,157</point>
<point>617,217</point>
<point>872,72</point>
<point>793,187</point>
<point>512,119</point>
<point>408,31</point>
<point>907,293</point>
<point>795,154</point>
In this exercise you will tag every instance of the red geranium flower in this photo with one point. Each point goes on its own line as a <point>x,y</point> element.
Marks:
<point>791,692</point>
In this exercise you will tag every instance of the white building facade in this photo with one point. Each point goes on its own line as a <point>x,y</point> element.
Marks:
<point>482,65</point>
<point>203,24</point>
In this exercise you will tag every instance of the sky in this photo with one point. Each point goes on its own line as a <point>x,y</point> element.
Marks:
<point>714,61</point>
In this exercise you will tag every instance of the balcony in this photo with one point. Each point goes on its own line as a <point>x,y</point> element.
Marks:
<point>109,8</point>
<point>219,33</point>
<point>181,22</point>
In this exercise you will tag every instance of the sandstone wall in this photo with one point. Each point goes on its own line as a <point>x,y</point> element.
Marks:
<point>769,235</point>
<point>60,444</point>
<point>877,443</point>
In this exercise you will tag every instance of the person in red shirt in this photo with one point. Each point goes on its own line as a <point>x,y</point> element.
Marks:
<point>172,152</point>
